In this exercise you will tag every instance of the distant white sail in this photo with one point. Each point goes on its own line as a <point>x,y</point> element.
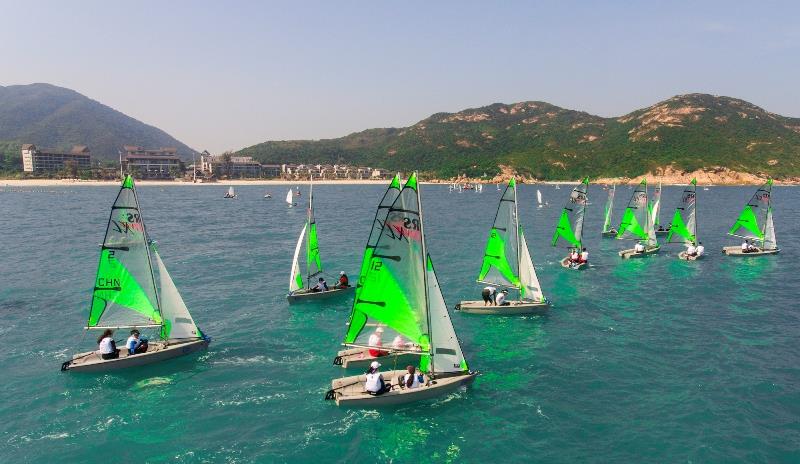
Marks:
<point>289,197</point>
<point>539,197</point>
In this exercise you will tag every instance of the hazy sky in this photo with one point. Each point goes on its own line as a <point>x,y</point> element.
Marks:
<point>225,75</point>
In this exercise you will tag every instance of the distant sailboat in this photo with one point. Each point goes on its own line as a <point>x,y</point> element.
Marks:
<point>608,230</point>
<point>684,222</point>
<point>129,294</point>
<point>539,198</point>
<point>290,198</point>
<point>570,224</point>
<point>637,224</point>
<point>655,212</point>
<point>507,263</point>
<point>267,195</point>
<point>230,193</point>
<point>755,225</point>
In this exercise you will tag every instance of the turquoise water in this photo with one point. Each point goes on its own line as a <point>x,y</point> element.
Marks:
<point>652,360</point>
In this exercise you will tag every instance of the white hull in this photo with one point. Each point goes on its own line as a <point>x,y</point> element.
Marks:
<point>684,256</point>
<point>631,253</point>
<point>349,391</point>
<point>359,358</point>
<point>565,263</point>
<point>304,295</point>
<point>513,309</point>
<point>91,361</point>
<point>737,251</point>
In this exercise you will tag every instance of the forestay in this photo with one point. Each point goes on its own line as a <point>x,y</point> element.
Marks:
<point>684,222</point>
<point>124,292</point>
<point>755,220</point>
<point>570,224</point>
<point>609,208</point>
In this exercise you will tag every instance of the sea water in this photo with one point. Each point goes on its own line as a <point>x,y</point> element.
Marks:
<point>647,360</point>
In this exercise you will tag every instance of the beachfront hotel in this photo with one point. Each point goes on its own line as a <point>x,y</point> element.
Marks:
<point>41,160</point>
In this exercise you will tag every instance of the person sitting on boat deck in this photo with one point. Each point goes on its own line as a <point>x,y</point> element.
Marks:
<point>500,299</point>
<point>700,249</point>
<point>574,256</point>
<point>584,256</point>
<point>661,228</point>
<point>321,286</point>
<point>135,343</point>
<point>375,341</point>
<point>748,247</point>
<point>411,379</point>
<point>638,248</point>
<point>691,250</point>
<point>489,293</point>
<point>343,282</point>
<point>374,384</point>
<point>107,345</point>
<point>398,343</point>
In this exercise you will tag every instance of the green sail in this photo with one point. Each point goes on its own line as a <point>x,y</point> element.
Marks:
<point>634,224</point>
<point>684,222</point>
<point>501,257</point>
<point>358,319</point>
<point>570,223</point>
<point>392,290</point>
<point>125,292</point>
<point>753,218</point>
<point>609,208</point>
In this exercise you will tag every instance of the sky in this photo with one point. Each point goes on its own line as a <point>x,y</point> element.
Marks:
<point>226,75</point>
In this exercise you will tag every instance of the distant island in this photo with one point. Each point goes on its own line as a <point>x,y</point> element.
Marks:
<point>720,140</point>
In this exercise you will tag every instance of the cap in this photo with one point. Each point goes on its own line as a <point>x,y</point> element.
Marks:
<point>379,330</point>
<point>321,279</point>
<point>375,365</point>
<point>341,272</point>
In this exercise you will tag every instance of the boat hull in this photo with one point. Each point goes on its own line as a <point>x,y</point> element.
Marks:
<point>349,391</point>
<point>515,308</point>
<point>359,358</point>
<point>609,234</point>
<point>684,256</point>
<point>663,233</point>
<point>737,251</point>
<point>630,253</point>
<point>565,263</point>
<point>302,296</point>
<point>158,351</point>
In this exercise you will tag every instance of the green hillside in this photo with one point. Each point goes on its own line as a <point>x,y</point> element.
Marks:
<point>547,142</point>
<point>55,117</point>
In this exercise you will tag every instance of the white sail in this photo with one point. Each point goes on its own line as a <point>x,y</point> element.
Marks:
<point>178,323</point>
<point>289,197</point>
<point>770,241</point>
<point>609,208</point>
<point>296,279</point>
<point>447,354</point>
<point>539,197</point>
<point>651,231</point>
<point>531,290</point>
<point>231,193</point>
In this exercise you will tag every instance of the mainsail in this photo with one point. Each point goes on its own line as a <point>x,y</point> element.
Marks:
<point>124,292</point>
<point>399,292</point>
<point>655,205</point>
<point>539,197</point>
<point>289,197</point>
<point>636,223</point>
<point>570,224</point>
<point>609,208</point>
<point>755,220</point>
<point>506,260</point>
<point>684,221</point>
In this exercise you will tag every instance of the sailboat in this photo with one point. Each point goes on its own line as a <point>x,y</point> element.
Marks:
<point>539,199</point>
<point>608,230</point>
<point>637,224</point>
<point>133,290</point>
<point>755,225</point>
<point>507,263</point>
<point>655,212</point>
<point>498,187</point>
<point>570,224</point>
<point>230,193</point>
<point>300,290</point>
<point>290,198</point>
<point>360,357</point>
<point>684,222</point>
<point>400,295</point>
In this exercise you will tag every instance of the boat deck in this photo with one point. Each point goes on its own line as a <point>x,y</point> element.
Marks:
<point>349,391</point>
<point>91,361</point>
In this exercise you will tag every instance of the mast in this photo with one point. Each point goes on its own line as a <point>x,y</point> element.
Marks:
<point>308,222</point>
<point>516,225</point>
<point>149,256</point>
<point>424,272</point>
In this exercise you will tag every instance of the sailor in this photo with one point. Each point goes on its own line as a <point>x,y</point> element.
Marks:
<point>375,341</point>
<point>500,299</point>
<point>343,282</point>
<point>135,343</point>
<point>374,384</point>
<point>700,249</point>
<point>398,343</point>
<point>411,379</point>
<point>489,293</point>
<point>584,256</point>
<point>321,286</point>
<point>745,246</point>
<point>638,248</point>
<point>691,250</point>
<point>574,256</point>
<point>107,346</point>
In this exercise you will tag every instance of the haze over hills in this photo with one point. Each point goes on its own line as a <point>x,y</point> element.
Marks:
<point>684,133</point>
<point>56,117</point>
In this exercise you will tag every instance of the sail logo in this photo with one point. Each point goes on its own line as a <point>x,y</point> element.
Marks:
<point>689,198</point>
<point>105,283</point>
<point>579,198</point>
<point>639,198</point>
<point>400,227</point>
<point>763,197</point>
<point>128,222</point>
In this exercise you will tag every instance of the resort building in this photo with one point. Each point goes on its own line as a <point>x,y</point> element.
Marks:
<point>162,163</point>
<point>229,165</point>
<point>43,160</point>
